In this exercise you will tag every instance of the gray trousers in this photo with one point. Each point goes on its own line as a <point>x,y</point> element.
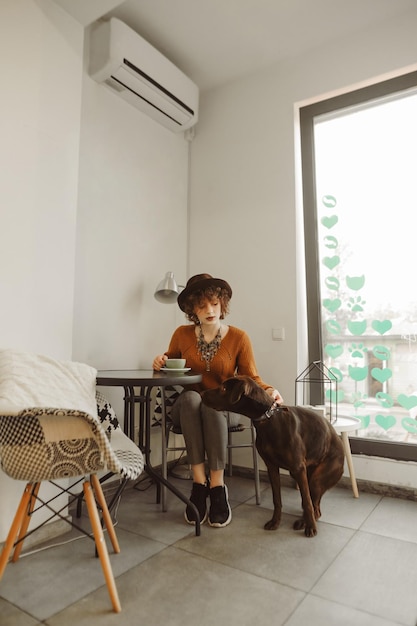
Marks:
<point>205,430</point>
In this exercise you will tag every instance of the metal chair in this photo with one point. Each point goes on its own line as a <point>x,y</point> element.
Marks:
<point>251,444</point>
<point>165,398</point>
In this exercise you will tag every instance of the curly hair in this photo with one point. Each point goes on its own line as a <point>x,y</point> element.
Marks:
<point>210,293</point>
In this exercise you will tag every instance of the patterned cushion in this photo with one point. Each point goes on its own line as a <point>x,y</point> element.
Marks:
<point>171,394</point>
<point>126,451</point>
<point>106,414</point>
<point>45,443</point>
<point>41,444</point>
<point>49,427</point>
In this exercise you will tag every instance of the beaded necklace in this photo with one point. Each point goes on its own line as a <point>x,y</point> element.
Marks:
<point>208,350</point>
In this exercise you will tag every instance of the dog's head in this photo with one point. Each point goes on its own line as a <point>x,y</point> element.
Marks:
<point>241,395</point>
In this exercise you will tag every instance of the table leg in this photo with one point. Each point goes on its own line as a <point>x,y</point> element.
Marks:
<point>348,454</point>
<point>129,413</point>
<point>162,480</point>
<point>164,465</point>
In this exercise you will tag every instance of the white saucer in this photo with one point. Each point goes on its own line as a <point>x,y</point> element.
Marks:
<point>176,370</point>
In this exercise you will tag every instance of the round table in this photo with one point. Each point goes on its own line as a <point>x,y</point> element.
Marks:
<point>145,381</point>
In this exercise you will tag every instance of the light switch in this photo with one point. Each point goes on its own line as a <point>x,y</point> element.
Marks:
<point>278,334</point>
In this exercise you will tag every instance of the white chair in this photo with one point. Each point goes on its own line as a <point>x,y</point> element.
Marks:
<point>49,443</point>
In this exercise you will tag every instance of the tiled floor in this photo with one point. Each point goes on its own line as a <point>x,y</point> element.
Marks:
<point>360,569</point>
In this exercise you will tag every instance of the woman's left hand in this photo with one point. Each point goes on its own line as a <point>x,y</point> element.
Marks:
<point>275,394</point>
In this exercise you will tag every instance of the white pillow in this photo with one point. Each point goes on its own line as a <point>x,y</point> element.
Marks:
<point>33,380</point>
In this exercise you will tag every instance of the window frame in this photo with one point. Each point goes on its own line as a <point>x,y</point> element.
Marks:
<point>370,447</point>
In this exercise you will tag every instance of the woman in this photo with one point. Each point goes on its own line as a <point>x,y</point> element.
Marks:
<point>218,352</point>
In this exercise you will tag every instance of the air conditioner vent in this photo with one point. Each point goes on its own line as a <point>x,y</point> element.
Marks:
<point>138,73</point>
<point>114,84</point>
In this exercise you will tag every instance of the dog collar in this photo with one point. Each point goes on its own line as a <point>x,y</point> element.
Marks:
<point>268,413</point>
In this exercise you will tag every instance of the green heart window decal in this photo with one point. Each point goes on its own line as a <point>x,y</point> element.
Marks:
<point>407,402</point>
<point>381,375</point>
<point>381,327</point>
<point>385,421</point>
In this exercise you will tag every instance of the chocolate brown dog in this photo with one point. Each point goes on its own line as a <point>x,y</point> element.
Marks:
<point>292,437</point>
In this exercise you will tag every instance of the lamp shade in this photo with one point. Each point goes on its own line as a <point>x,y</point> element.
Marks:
<point>167,290</point>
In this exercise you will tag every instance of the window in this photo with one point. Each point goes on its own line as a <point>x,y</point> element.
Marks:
<point>359,155</point>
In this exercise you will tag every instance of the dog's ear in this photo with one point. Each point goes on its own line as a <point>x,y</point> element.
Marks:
<point>237,389</point>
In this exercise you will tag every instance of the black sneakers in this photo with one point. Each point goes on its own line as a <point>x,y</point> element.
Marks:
<point>198,497</point>
<point>220,512</point>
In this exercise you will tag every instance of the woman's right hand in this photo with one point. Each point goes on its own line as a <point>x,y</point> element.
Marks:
<point>159,361</point>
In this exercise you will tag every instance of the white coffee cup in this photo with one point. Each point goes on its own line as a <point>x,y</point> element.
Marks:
<point>175,364</point>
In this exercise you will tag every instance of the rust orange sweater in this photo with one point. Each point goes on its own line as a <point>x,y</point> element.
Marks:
<point>235,356</point>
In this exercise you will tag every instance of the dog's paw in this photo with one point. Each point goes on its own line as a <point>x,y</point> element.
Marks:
<point>299,524</point>
<point>272,524</point>
<point>309,529</point>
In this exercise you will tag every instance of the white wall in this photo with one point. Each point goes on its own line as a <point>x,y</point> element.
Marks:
<point>94,208</point>
<point>131,230</point>
<point>41,62</point>
<point>242,200</point>
<point>132,227</point>
<point>244,196</point>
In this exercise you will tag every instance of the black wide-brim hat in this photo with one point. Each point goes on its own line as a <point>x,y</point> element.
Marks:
<point>200,282</point>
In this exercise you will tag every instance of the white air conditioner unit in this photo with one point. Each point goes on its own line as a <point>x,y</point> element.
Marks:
<point>138,73</point>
